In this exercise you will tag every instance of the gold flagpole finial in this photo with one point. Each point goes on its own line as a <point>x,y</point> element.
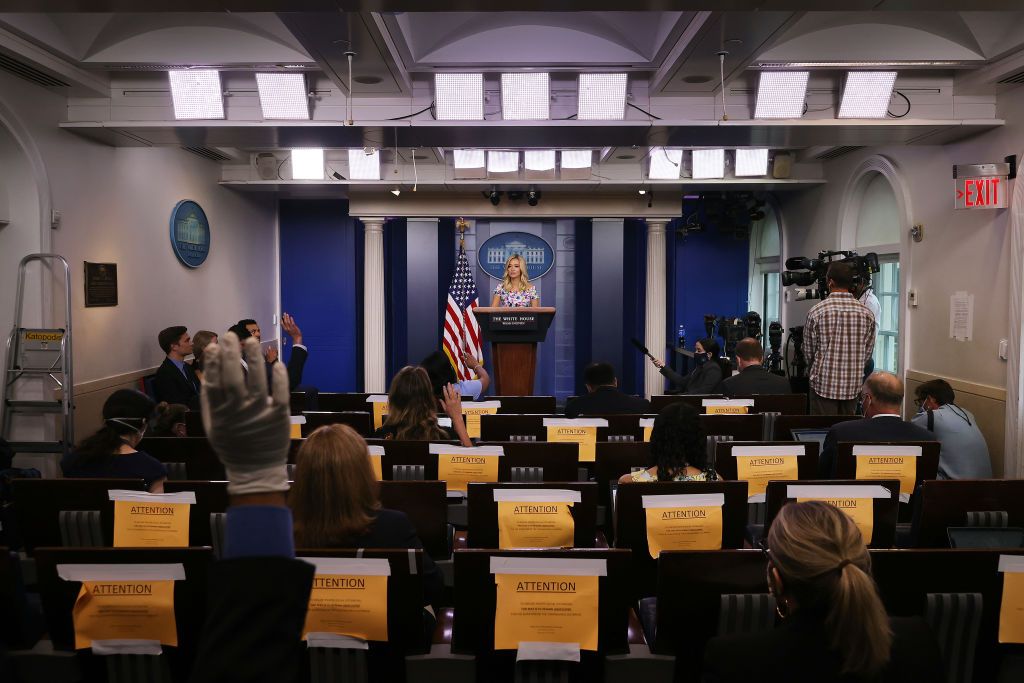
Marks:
<point>461,226</point>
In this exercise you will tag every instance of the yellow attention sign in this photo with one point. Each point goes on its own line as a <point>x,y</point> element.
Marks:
<point>647,433</point>
<point>380,411</point>
<point>586,437</point>
<point>473,414</point>
<point>378,468</point>
<point>860,510</point>
<point>459,469</point>
<point>535,525</point>
<point>296,430</point>
<point>683,528</point>
<point>1011,610</point>
<point>758,470</point>
<point>545,608</point>
<point>727,410</point>
<point>153,524</point>
<point>125,610</point>
<point>348,605</point>
<point>902,467</point>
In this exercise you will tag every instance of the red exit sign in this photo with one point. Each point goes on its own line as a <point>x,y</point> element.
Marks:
<point>981,193</point>
<point>982,186</point>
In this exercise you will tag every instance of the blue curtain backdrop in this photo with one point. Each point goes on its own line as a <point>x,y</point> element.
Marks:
<point>396,329</point>
<point>321,285</point>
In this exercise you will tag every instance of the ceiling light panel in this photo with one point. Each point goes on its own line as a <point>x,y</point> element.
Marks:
<point>602,97</point>
<point>363,166</point>
<point>781,95</point>
<point>502,162</point>
<point>196,94</point>
<point>307,164</point>
<point>867,94</point>
<point>539,159</point>
<point>469,158</point>
<point>459,97</point>
<point>576,158</point>
<point>708,163</point>
<point>283,95</point>
<point>751,162</point>
<point>665,163</point>
<point>525,96</point>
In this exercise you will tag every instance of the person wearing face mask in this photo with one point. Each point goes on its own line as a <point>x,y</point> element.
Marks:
<point>111,451</point>
<point>964,453</point>
<point>704,378</point>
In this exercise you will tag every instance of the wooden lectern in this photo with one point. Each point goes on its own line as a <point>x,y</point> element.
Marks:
<point>514,333</point>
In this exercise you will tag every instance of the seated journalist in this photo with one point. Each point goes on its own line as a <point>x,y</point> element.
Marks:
<point>706,376</point>
<point>752,377</point>
<point>603,395</point>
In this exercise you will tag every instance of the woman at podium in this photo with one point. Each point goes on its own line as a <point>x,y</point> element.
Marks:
<point>515,291</point>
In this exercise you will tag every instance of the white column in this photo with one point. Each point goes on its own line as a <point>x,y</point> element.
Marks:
<point>374,373</point>
<point>654,315</point>
<point>1013,457</point>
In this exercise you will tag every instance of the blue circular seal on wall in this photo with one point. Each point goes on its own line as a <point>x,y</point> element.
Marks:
<point>535,252</point>
<point>190,233</point>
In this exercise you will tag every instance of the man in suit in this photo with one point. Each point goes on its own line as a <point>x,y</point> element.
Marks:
<point>296,362</point>
<point>603,395</point>
<point>752,377</point>
<point>175,382</point>
<point>882,397</point>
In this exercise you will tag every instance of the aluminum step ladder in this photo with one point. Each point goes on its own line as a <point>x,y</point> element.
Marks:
<point>34,354</point>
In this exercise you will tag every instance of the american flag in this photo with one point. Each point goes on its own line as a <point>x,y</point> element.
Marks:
<point>461,331</point>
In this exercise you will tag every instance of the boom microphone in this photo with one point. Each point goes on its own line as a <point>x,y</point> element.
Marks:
<point>641,347</point>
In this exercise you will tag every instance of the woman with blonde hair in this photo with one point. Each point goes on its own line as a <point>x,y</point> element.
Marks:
<point>834,625</point>
<point>412,410</point>
<point>335,502</point>
<point>515,290</point>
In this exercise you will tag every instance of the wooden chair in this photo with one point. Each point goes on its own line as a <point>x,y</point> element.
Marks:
<point>524,405</point>
<point>343,402</point>
<point>725,461</point>
<point>885,510</point>
<point>195,453</point>
<point>785,424</point>
<point>361,422</point>
<point>949,503</point>
<point>660,402</point>
<point>783,404</point>
<point>505,427</point>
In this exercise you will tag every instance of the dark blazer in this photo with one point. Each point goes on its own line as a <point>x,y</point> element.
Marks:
<point>798,651</point>
<point>296,363</point>
<point>754,379</point>
<point>702,380</point>
<point>173,386</point>
<point>607,401</point>
<point>256,608</point>
<point>882,428</point>
<point>392,529</point>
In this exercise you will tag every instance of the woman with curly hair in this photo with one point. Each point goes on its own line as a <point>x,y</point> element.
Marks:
<point>412,410</point>
<point>678,448</point>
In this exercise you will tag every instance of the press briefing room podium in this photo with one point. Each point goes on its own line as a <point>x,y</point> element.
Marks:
<point>514,333</point>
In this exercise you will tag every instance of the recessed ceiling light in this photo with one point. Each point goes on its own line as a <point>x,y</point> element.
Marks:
<point>459,97</point>
<point>697,79</point>
<point>866,94</point>
<point>665,164</point>
<point>283,96</point>
<point>363,166</point>
<point>501,161</point>
<point>751,162</point>
<point>781,95</point>
<point>602,97</point>
<point>625,157</point>
<point>196,93</point>
<point>368,80</point>
<point>525,96</point>
<point>307,164</point>
<point>708,163</point>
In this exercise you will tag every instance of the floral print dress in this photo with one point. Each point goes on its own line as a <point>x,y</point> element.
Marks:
<point>515,298</point>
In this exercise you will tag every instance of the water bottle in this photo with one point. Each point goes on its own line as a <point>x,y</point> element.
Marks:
<point>682,336</point>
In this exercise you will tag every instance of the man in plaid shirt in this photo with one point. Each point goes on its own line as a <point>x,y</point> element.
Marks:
<point>839,337</point>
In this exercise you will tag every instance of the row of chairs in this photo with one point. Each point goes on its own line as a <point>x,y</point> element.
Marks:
<point>520,427</point>
<point>699,595</point>
<point>78,513</point>
<point>786,404</point>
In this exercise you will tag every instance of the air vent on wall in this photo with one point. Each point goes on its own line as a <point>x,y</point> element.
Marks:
<point>836,152</point>
<point>208,153</point>
<point>30,73</point>
<point>1015,78</point>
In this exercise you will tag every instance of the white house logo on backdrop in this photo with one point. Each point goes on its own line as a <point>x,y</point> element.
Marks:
<point>190,233</point>
<point>535,252</point>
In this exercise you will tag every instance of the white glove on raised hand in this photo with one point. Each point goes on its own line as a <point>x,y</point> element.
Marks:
<point>249,432</point>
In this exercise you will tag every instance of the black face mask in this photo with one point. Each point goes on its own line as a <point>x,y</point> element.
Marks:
<point>701,358</point>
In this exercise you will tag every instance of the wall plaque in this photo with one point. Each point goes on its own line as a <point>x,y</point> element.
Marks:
<point>100,284</point>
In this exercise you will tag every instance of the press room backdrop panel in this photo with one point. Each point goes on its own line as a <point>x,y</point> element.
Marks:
<point>321,285</point>
<point>708,273</point>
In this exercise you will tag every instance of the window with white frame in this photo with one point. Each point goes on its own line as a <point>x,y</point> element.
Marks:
<point>878,230</point>
<point>764,285</point>
<point>886,284</point>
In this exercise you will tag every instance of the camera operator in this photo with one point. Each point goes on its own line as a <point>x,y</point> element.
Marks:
<point>839,337</point>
